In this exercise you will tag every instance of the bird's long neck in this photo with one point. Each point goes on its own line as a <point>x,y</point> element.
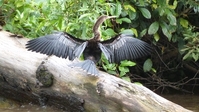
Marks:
<point>96,27</point>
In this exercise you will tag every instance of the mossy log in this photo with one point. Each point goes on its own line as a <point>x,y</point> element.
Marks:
<point>32,77</point>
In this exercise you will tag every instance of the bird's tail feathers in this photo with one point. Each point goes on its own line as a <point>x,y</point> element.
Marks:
<point>88,66</point>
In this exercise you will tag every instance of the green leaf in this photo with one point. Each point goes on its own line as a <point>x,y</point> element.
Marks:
<point>126,78</point>
<point>147,65</point>
<point>123,70</point>
<point>129,7</point>
<point>143,32</point>
<point>122,73</point>
<point>135,31</point>
<point>127,31</point>
<point>195,56</point>
<point>154,70</point>
<point>118,9</point>
<point>109,32</point>
<point>184,23</point>
<point>120,20</point>
<point>127,63</point>
<point>145,12</point>
<point>165,31</point>
<point>185,49</point>
<point>171,18</point>
<point>174,5</point>
<point>156,37</point>
<point>187,55</point>
<point>153,28</point>
<point>112,10</point>
<point>161,11</point>
<point>104,67</point>
<point>112,72</point>
<point>138,83</point>
<point>111,66</point>
<point>132,15</point>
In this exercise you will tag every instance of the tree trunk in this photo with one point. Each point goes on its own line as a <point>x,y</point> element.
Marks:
<point>32,77</point>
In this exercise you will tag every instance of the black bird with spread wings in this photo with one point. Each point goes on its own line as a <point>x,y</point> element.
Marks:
<point>62,44</point>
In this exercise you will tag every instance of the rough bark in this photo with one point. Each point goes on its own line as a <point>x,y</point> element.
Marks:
<point>32,77</point>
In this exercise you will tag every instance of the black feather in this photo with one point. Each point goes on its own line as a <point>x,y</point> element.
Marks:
<point>60,44</point>
<point>125,47</point>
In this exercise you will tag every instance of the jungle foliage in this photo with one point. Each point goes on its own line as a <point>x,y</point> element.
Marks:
<point>171,26</point>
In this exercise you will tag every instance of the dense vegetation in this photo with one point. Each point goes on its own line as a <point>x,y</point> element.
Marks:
<point>170,26</point>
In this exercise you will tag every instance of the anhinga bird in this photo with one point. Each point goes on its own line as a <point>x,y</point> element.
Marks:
<point>62,44</point>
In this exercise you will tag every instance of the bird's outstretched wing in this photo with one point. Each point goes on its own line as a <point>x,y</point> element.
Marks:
<point>60,44</point>
<point>124,47</point>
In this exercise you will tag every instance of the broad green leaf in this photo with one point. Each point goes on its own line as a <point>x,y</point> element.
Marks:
<point>118,9</point>
<point>165,31</point>
<point>8,27</point>
<point>127,63</point>
<point>153,28</point>
<point>175,3</point>
<point>171,18</point>
<point>120,20</point>
<point>195,56</point>
<point>126,78</point>
<point>156,37</point>
<point>147,65</point>
<point>109,32</point>
<point>122,73</point>
<point>145,12</point>
<point>184,22</point>
<point>161,11</point>
<point>127,31</point>
<point>132,15</point>
<point>138,83</point>
<point>112,72</point>
<point>129,7</point>
<point>112,10</point>
<point>111,66</point>
<point>123,70</point>
<point>131,31</point>
<point>104,67</point>
<point>135,31</point>
<point>143,32</point>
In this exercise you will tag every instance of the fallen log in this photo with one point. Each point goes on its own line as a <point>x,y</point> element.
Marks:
<point>32,77</point>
